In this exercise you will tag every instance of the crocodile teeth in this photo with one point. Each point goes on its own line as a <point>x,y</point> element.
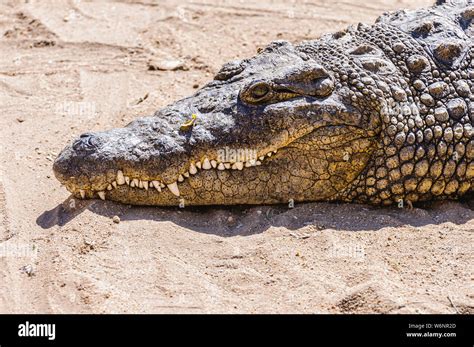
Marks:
<point>120,178</point>
<point>192,169</point>
<point>173,187</point>
<point>101,195</point>
<point>206,165</point>
<point>238,166</point>
<point>250,163</point>
<point>156,184</point>
<point>83,193</point>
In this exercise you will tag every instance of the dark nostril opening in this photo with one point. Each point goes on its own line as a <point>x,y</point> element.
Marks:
<point>86,142</point>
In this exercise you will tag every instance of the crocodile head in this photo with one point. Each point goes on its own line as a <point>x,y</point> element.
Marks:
<point>275,128</point>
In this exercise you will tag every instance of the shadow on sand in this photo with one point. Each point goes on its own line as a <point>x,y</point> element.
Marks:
<point>230,221</point>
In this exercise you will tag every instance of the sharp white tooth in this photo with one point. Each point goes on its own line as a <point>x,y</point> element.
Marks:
<point>221,167</point>
<point>173,187</point>
<point>127,180</point>
<point>109,187</point>
<point>206,165</point>
<point>269,154</point>
<point>140,184</point>
<point>156,184</point>
<point>227,165</point>
<point>114,184</point>
<point>120,178</point>
<point>186,174</point>
<point>180,178</point>
<point>258,162</point>
<point>101,195</point>
<point>275,151</point>
<point>134,183</point>
<point>247,164</point>
<point>192,169</point>
<point>162,185</point>
<point>261,158</point>
<point>251,162</point>
<point>145,185</point>
<point>213,163</point>
<point>83,193</point>
<point>198,164</point>
<point>238,166</point>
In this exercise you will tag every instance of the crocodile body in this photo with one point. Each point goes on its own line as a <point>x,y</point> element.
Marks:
<point>374,114</point>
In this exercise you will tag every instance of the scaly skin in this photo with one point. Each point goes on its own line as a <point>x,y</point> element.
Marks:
<point>375,114</point>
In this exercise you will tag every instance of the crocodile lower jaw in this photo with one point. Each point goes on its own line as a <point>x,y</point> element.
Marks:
<point>158,185</point>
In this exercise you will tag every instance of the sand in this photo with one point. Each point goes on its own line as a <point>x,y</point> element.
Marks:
<point>68,67</point>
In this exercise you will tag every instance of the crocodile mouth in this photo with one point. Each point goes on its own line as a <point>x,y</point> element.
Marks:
<point>229,168</point>
<point>126,179</point>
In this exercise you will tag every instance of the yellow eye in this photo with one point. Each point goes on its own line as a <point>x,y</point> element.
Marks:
<point>257,93</point>
<point>259,90</point>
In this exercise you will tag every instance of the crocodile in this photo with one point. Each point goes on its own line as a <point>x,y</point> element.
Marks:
<point>374,114</point>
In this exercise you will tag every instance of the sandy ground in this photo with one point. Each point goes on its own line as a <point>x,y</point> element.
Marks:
<point>67,67</point>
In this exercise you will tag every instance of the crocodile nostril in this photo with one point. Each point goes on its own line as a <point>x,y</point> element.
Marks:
<point>86,142</point>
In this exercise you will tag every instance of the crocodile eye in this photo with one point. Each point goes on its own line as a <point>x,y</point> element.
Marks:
<point>257,93</point>
<point>259,90</point>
